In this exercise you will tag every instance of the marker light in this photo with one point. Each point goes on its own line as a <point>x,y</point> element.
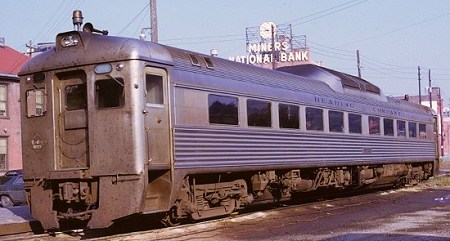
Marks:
<point>102,68</point>
<point>70,40</point>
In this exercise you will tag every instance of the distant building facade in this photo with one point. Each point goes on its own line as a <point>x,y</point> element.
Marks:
<point>10,131</point>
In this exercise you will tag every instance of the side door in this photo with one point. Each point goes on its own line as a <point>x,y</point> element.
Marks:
<point>156,120</point>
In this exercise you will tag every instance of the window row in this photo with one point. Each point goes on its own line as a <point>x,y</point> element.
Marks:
<point>224,110</point>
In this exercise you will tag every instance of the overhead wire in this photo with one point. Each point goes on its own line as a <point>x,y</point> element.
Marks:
<point>132,20</point>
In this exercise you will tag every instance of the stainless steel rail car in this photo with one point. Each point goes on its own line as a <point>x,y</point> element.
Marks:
<point>117,126</point>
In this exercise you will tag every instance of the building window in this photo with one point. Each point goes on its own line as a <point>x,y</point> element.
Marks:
<point>401,128</point>
<point>3,153</point>
<point>412,129</point>
<point>223,110</point>
<point>154,88</point>
<point>259,113</point>
<point>374,125</point>
<point>3,100</point>
<point>336,121</point>
<point>422,131</point>
<point>288,115</point>
<point>109,93</point>
<point>388,127</point>
<point>354,123</point>
<point>314,119</point>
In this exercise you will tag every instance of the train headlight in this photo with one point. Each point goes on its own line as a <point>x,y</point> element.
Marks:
<point>70,40</point>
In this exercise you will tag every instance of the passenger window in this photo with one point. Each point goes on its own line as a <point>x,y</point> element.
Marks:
<point>36,102</point>
<point>288,116</point>
<point>354,123</point>
<point>259,113</point>
<point>422,131</point>
<point>374,125</point>
<point>223,110</point>
<point>388,127</point>
<point>412,129</point>
<point>314,119</point>
<point>154,88</point>
<point>336,121</point>
<point>76,97</point>
<point>401,128</point>
<point>109,93</point>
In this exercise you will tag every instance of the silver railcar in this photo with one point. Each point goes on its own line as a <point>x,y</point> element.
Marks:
<point>117,126</point>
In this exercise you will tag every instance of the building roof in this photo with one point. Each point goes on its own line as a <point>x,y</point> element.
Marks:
<point>11,61</point>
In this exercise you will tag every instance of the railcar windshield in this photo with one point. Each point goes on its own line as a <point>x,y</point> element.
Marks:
<point>109,93</point>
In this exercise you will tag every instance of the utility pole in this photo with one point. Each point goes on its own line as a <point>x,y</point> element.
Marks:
<point>153,21</point>
<point>429,88</point>
<point>420,90</point>
<point>358,63</point>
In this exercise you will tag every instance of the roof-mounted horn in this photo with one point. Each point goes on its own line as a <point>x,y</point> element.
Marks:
<point>88,27</point>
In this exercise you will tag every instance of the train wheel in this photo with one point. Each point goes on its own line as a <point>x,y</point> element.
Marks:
<point>6,202</point>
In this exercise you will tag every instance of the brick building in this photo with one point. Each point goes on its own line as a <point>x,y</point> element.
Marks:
<point>10,134</point>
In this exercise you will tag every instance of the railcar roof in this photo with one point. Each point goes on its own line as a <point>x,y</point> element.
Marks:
<point>309,78</point>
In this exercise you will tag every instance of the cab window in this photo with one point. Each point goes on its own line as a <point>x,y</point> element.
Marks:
<point>35,102</point>
<point>109,93</point>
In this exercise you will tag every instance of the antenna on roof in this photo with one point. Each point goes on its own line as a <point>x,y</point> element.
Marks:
<point>77,19</point>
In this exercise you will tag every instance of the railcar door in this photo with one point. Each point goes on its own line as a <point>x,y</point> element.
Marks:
<point>157,118</point>
<point>71,120</point>
<point>159,148</point>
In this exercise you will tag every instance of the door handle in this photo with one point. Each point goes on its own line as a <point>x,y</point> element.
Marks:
<point>145,112</point>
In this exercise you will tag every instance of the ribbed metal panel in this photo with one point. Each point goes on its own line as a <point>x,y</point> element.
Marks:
<point>210,148</point>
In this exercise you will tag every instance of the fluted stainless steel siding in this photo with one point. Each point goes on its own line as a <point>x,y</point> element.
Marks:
<point>218,148</point>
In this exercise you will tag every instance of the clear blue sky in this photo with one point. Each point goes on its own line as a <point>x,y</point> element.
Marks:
<point>393,36</point>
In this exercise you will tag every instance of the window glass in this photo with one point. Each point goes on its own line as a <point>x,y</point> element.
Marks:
<point>388,127</point>
<point>354,123</point>
<point>3,100</point>
<point>76,97</point>
<point>223,109</point>
<point>3,152</point>
<point>154,88</point>
<point>412,129</point>
<point>259,113</point>
<point>35,102</point>
<point>109,93</point>
<point>422,131</point>
<point>336,121</point>
<point>314,119</point>
<point>401,128</point>
<point>374,125</point>
<point>288,115</point>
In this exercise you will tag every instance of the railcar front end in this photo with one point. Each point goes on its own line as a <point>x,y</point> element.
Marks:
<point>86,129</point>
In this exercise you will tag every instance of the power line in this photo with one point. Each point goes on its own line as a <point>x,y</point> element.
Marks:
<point>396,29</point>
<point>329,13</point>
